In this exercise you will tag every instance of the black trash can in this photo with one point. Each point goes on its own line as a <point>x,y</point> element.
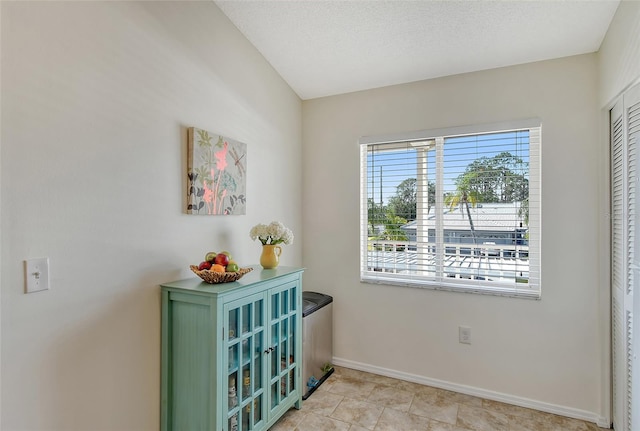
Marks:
<point>317,340</point>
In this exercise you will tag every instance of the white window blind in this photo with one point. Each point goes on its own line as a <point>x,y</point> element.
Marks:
<point>455,209</point>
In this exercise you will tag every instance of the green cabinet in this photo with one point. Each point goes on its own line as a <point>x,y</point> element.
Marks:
<point>232,352</point>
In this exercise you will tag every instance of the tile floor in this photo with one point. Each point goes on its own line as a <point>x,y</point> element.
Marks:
<point>351,400</point>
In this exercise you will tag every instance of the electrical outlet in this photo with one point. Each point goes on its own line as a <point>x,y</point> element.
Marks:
<point>36,275</point>
<point>464,334</point>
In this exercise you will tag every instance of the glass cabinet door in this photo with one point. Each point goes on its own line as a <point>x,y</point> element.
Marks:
<point>282,358</point>
<point>245,351</point>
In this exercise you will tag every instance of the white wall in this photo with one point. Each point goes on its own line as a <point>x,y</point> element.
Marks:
<point>95,104</point>
<point>619,55</point>
<point>546,352</point>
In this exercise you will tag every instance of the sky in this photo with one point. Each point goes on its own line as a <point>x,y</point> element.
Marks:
<point>458,152</point>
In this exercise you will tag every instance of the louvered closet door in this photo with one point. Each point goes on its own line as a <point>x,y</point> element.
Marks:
<point>625,259</point>
<point>632,113</point>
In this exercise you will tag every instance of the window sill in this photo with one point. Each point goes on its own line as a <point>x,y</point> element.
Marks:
<point>504,291</point>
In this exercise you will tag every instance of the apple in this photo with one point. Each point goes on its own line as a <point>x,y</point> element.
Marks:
<point>211,256</point>
<point>204,265</point>
<point>232,267</point>
<point>221,259</point>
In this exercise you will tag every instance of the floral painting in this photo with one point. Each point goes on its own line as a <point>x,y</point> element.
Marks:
<point>217,174</point>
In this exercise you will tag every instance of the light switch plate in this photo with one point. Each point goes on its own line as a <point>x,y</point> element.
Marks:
<point>36,275</point>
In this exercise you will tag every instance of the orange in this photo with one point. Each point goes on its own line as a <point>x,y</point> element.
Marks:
<point>217,268</point>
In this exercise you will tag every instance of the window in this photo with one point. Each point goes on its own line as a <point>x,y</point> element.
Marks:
<point>453,209</point>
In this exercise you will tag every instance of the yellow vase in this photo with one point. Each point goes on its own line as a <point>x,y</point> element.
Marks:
<point>270,256</point>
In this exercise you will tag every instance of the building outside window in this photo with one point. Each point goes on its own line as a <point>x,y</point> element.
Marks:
<point>455,209</point>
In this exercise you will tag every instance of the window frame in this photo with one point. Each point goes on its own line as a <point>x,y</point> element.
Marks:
<point>530,290</point>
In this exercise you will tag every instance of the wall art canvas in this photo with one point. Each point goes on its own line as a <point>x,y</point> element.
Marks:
<point>217,176</point>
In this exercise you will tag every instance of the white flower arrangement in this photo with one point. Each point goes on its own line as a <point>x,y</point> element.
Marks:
<point>274,233</point>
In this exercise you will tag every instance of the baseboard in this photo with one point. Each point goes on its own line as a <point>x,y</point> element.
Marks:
<point>584,415</point>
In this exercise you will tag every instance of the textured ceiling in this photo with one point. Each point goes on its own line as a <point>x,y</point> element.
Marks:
<point>323,48</point>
